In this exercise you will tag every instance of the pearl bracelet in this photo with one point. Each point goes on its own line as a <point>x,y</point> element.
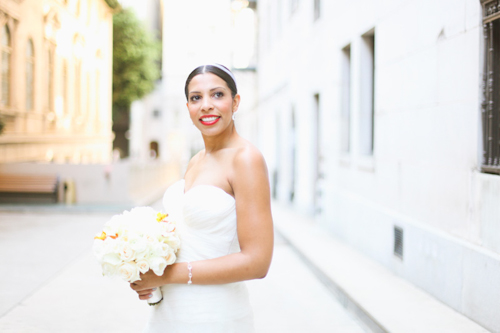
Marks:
<point>190,273</point>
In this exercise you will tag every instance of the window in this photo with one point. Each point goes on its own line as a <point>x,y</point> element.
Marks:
<point>294,4</point>
<point>345,116</point>
<point>78,8</point>
<point>154,152</point>
<point>88,97</point>
<point>317,9</point>
<point>64,86</point>
<point>89,11</point>
<point>30,72</point>
<point>78,87</point>
<point>279,19</point>
<point>318,156</point>
<point>97,99</point>
<point>490,109</point>
<point>293,155</point>
<point>6,52</point>
<point>366,118</point>
<point>50,80</point>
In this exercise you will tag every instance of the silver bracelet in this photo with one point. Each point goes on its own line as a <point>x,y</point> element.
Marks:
<point>190,273</point>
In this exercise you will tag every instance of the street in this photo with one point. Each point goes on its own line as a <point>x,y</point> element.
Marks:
<point>50,282</point>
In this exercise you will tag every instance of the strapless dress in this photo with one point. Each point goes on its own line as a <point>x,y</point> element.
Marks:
<point>206,221</point>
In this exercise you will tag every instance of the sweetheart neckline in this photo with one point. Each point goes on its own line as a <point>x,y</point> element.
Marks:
<point>201,185</point>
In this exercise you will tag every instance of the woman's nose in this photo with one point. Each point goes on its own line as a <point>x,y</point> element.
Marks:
<point>207,104</point>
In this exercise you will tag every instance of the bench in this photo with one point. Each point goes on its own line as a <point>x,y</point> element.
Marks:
<point>25,188</point>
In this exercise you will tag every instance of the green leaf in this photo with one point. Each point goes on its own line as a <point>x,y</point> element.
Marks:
<point>136,59</point>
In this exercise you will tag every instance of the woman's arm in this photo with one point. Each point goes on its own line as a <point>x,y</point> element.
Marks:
<point>255,233</point>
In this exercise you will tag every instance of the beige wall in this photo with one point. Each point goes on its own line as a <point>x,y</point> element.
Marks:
<point>71,122</point>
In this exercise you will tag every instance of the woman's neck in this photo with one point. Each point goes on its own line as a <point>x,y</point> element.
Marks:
<point>223,140</point>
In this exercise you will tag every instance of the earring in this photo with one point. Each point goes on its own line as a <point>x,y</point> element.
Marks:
<point>234,116</point>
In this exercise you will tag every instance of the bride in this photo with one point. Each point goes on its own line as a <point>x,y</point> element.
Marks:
<point>223,212</point>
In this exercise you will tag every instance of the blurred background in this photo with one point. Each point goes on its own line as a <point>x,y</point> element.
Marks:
<point>379,121</point>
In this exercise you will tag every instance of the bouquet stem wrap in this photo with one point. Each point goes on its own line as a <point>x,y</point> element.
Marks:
<point>157,297</point>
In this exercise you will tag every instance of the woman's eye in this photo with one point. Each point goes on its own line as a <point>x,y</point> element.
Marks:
<point>218,94</point>
<point>195,98</point>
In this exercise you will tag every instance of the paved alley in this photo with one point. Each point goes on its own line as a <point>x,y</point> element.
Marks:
<point>50,282</point>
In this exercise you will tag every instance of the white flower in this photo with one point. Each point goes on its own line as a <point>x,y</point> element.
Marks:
<point>126,252</point>
<point>111,258</point>
<point>173,241</point>
<point>167,228</point>
<point>108,269</point>
<point>143,265</point>
<point>99,249</point>
<point>140,246</point>
<point>160,249</point>
<point>150,238</point>
<point>158,264</point>
<point>129,272</point>
<point>170,257</point>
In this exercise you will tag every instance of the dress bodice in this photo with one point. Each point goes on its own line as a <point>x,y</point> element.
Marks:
<point>206,219</point>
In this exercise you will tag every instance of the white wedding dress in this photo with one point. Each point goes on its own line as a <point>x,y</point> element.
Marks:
<point>206,221</point>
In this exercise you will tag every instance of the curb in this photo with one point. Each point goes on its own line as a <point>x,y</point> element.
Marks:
<point>338,292</point>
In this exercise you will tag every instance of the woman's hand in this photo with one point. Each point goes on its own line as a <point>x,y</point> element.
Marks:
<point>147,284</point>
<point>145,294</point>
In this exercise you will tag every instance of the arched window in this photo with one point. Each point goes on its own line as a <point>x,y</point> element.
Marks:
<point>153,150</point>
<point>97,99</point>
<point>78,87</point>
<point>78,8</point>
<point>30,72</point>
<point>50,80</point>
<point>6,52</point>
<point>65,86</point>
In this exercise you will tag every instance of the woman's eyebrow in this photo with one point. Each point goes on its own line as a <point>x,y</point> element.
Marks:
<point>198,92</point>
<point>217,88</point>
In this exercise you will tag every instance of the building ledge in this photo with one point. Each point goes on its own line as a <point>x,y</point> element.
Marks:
<point>378,297</point>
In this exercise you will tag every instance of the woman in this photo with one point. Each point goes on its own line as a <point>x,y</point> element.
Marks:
<point>224,217</point>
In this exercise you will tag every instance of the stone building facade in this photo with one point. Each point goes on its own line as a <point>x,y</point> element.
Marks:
<point>381,119</point>
<point>56,80</point>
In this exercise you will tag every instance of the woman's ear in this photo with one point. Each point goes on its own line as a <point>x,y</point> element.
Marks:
<point>236,103</point>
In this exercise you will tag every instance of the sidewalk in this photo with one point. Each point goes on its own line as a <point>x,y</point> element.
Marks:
<point>384,301</point>
<point>51,282</point>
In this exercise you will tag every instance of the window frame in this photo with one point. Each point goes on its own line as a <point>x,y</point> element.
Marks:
<point>30,60</point>
<point>50,78</point>
<point>6,49</point>
<point>317,9</point>
<point>490,105</point>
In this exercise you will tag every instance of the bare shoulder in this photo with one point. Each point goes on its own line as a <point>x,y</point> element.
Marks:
<point>250,182</point>
<point>248,158</point>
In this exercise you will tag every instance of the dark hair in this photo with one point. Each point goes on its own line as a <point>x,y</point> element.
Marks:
<point>214,70</point>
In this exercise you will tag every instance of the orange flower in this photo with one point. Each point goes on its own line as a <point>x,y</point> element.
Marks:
<point>115,236</point>
<point>102,237</point>
<point>160,217</point>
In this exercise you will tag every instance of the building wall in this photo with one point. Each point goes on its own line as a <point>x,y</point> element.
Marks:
<point>423,173</point>
<point>121,183</point>
<point>70,117</point>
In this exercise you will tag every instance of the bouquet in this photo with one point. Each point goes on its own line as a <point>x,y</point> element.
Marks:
<point>135,242</point>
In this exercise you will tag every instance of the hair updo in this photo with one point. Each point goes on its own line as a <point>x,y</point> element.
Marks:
<point>221,71</point>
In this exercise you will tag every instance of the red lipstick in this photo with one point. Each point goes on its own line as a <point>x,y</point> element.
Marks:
<point>209,120</point>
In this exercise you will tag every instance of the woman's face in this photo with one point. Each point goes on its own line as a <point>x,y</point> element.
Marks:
<point>210,103</point>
